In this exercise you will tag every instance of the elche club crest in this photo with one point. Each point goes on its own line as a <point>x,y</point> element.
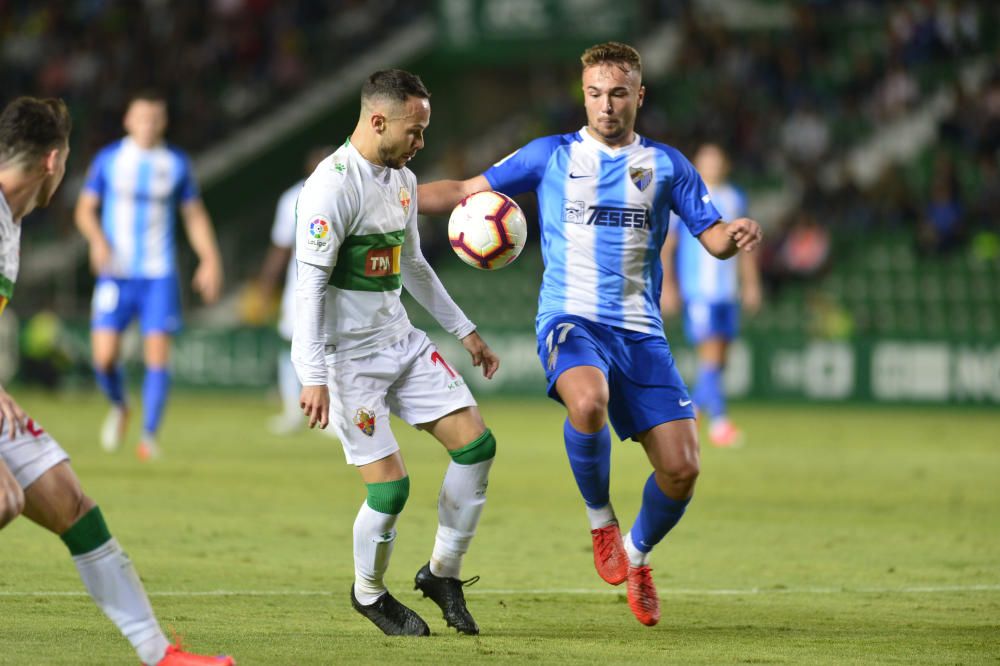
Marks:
<point>404,199</point>
<point>365,420</point>
<point>641,177</point>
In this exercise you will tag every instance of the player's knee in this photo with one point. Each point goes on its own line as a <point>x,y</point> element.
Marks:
<point>682,471</point>
<point>11,503</point>
<point>388,496</point>
<point>481,449</point>
<point>587,411</point>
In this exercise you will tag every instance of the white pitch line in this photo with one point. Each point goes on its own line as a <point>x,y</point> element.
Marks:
<point>917,589</point>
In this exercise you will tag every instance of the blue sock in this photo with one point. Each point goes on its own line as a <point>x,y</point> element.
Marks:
<point>112,384</point>
<point>590,460</point>
<point>708,395</point>
<point>154,398</point>
<point>657,516</point>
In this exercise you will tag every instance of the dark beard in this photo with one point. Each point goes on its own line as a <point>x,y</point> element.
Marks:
<point>386,158</point>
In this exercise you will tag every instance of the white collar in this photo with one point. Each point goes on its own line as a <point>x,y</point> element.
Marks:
<point>613,152</point>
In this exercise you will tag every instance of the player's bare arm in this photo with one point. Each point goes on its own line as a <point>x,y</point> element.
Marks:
<point>12,414</point>
<point>441,196</point>
<point>207,279</point>
<point>725,239</point>
<point>88,221</point>
<point>481,354</point>
<point>750,291</point>
<point>315,404</point>
<point>670,294</point>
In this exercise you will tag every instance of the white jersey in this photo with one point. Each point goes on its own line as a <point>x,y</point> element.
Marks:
<point>140,190</point>
<point>357,223</point>
<point>10,252</point>
<point>702,277</point>
<point>283,236</point>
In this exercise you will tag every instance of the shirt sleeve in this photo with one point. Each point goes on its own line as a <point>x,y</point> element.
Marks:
<point>689,195</point>
<point>323,216</point>
<point>95,182</point>
<point>283,229</point>
<point>187,186</point>
<point>308,339</point>
<point>423,284</point>
<point>522,170</point>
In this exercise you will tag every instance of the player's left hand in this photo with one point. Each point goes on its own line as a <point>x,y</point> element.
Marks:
<point>746,233</point>
<point>481,354</point>
<point>207,281</point>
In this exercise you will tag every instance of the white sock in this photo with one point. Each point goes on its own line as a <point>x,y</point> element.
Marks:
<point>109,576</point>
<point>374,535</point>
<point>288,385</point>
<point>460,504</point>
<point>601,517</point>
<point>636,557</point>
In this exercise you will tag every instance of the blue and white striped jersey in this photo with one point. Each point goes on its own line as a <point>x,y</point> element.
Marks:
<point>702,277</point>
<point>140,191</point>
<point>604,214</point>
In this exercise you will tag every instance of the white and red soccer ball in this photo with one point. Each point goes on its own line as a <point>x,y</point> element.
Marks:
<point>487,230</point>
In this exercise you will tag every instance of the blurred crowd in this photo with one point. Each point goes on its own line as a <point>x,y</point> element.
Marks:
<point>220,62</point>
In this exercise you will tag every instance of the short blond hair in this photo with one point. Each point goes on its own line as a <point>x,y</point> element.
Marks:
<point>614,53</point>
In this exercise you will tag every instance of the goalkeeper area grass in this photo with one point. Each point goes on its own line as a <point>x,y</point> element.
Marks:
<point>836,535</point>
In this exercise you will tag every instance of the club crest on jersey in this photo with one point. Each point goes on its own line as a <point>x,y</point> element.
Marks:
<point>641,177</point>
<point>365,420</point>
<point>404,199</point>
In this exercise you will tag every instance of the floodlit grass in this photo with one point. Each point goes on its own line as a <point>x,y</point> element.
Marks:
<point>837,535</point>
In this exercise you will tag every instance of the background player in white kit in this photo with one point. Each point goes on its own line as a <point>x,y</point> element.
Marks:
<point>710,291</point>
<point>359,357</point>
<point>35,476</point>
<point>127,212</point>
<point>279,262</point>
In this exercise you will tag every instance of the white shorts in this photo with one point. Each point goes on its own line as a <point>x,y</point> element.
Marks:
<point>409,379</point>
<point>32,453</point>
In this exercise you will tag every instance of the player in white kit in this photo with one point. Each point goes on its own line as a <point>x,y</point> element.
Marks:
<point>35,476</point>
<point>359,358</point>
<point>279,262</point>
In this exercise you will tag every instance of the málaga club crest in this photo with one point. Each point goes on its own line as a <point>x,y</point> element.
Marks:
<point>365,420</point>
<point>641,177</point>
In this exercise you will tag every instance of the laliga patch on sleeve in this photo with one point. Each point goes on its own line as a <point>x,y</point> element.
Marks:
<point>318,233</point>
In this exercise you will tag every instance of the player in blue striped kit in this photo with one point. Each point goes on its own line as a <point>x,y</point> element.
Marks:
<point>127,213</point>
<point>710,293</point>
<point>604,198</point>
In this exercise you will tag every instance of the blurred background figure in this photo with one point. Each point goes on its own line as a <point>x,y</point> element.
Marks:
<point>710,293</point>
<point>127,213</point>
<point>277,263</point>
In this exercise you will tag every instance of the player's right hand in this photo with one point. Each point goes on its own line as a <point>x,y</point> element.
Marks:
<point>315,404</point>
<point>12,414</point>
<point>100,256</point>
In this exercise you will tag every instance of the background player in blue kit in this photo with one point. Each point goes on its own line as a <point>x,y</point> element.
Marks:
<point>604,198</point>
<point>710,292</point>
<point>127,212</point>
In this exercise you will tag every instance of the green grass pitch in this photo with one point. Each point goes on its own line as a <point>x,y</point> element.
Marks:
<point>837,535</point>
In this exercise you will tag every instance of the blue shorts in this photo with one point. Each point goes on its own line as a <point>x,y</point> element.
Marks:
<point>155,301</point>
<point>645,387</point>
<point>703,321</point>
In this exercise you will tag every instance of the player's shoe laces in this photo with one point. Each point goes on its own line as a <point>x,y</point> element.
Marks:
<point>642,598</point>
<point>114,427</point>
<point>725,435</point>
<point>447,593</point>
<point>610,557</point>
<point>175,656</point>
<point>392,617</point>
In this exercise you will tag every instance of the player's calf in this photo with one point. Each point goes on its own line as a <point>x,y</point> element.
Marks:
<point>11,498</point>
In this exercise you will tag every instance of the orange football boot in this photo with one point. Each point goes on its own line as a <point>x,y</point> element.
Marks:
<point>642,597</point>
<point>610,558</point>
<point>175,656</point>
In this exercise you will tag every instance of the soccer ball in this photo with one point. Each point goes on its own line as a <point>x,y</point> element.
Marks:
<point>487,230</point>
